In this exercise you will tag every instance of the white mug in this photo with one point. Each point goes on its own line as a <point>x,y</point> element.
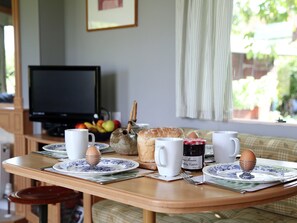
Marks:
<point>225,146</point>
<point>169,155</point>
<point>76,142</point>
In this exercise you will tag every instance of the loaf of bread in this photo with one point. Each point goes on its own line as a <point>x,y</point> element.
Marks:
<point>146,141</point>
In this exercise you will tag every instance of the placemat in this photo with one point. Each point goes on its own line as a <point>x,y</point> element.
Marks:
<point>241,187</point>
<point>62,156</point>
<point>105,179</point>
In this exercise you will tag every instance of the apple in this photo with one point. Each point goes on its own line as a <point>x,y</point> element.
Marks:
<point>108,125</point>
<point>99,122</point>
<point>80,126</point>
<point>117,124</point>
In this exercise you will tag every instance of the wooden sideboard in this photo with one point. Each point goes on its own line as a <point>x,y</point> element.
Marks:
<point>15,120</point>
<point>34,142</point>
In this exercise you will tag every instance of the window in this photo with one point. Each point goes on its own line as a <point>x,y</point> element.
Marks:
<point>7,78</point>
<point>264,58</point>
<point>9,58</point>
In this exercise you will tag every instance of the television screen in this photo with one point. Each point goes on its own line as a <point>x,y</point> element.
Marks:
<point>64,94</point>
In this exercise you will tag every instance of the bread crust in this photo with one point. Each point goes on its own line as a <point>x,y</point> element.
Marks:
<point>146,141</point>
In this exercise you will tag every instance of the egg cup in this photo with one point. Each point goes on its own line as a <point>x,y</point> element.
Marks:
<point>247,167</point>
<point>93,160</point>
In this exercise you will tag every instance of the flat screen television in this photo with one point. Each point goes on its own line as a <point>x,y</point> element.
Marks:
<point>61,96</point>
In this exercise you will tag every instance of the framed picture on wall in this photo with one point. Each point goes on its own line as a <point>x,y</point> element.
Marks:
<point>111,14</point>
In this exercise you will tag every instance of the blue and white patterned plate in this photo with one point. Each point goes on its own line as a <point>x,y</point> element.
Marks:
<point>261,173</point>
<point>60,147</point>
<point>105,167</point>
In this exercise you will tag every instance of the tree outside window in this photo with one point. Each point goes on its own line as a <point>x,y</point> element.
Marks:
<point>264,55</point>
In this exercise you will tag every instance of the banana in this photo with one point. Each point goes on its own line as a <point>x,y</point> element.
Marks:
<point>88,125</point>
<point>100,129</point>
<point>91,127</point>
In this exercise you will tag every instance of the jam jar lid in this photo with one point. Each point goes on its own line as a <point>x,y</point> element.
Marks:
<point>198,141</point>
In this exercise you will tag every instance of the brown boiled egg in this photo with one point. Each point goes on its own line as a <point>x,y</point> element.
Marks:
<point>93,156</point>
<point>247,160</point>
<point>193,135</point>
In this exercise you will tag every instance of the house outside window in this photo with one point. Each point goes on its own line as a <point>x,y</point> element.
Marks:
<point>264,59</point>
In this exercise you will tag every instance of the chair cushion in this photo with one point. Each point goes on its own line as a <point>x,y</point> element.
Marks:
<point>114,212</point>
<point>253,215</point>
<point>279,149</point>
<point>270,147</point>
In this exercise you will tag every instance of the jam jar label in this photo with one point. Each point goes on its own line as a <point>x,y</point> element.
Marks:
<point>192,162</point>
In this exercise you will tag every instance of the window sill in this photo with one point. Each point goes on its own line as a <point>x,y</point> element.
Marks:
<point>259,122</point>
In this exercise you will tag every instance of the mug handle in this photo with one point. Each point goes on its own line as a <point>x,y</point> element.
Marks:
<point>158,152</point>
<point>93,138</point>
<point>236,145</point>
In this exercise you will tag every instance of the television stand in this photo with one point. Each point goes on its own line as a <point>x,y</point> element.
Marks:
<point>56,130</point>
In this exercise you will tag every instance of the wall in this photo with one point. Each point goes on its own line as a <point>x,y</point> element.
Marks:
<point>52,38</point>
<point>30,42</point>
<point>139,64</point>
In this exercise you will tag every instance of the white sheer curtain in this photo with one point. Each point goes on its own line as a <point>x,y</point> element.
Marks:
<point>203,59</point>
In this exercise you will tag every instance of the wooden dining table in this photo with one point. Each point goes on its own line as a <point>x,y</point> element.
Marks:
<point>149,194</point>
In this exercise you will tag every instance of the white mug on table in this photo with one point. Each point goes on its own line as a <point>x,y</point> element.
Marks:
<point>76,142</point>
<point>225,146</point>
<point>169,155</point>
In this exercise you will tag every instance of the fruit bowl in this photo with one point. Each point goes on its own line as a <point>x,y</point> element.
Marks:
<point>99,137</point>
<point>102,129</point>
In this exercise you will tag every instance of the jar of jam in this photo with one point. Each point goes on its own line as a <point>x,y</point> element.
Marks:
<point>193,155</point>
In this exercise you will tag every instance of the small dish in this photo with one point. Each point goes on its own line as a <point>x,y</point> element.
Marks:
<point>60,147</point>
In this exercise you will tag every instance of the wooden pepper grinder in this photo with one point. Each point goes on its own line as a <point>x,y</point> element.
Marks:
<point>132,118</point>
